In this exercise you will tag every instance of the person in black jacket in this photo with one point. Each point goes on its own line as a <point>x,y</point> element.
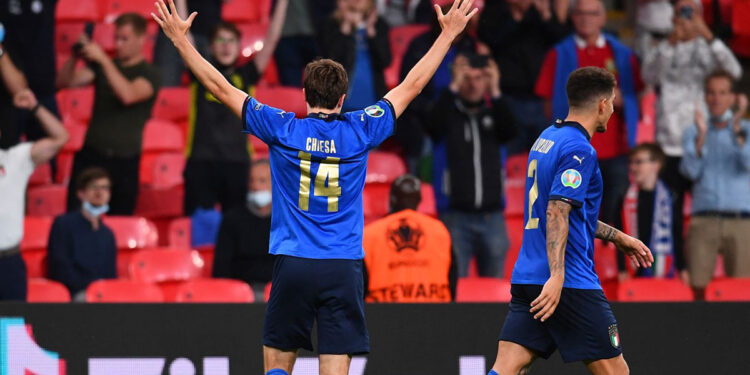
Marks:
<point>358,39</point>
<point>471,119</point>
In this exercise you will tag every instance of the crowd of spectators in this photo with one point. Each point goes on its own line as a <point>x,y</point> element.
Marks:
<point>501,83</point>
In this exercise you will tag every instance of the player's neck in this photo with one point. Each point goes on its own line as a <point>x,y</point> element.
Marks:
<point>326,111</point>
<point>587,121</point>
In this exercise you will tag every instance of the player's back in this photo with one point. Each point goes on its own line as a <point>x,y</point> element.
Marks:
<point>562,166</point>
<point>318,168</point>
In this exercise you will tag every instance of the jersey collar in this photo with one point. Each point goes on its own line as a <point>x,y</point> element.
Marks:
<point>560,123</point>
<point>327,117</point>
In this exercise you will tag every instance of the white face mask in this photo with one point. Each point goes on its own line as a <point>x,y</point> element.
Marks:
<point>725,117</point>
<point>95,211</point>
<point>260,198</point>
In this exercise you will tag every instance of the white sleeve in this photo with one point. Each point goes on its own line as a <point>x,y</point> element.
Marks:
<point>20,156</point>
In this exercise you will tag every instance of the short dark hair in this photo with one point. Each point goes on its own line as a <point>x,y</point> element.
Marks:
<point>325,81</point>
<point>224,25</point>
<point>722,74</point>
<point>589,84</point>
<point>405,193</point>
<point>133,19</point>
<point>90,175</point>
<point>654,151</point>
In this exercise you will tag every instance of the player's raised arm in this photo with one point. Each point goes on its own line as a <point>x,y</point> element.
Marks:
<point>453,24</point>
<point>638,252</point>
<point>557,239</point>
<point>176,30</point>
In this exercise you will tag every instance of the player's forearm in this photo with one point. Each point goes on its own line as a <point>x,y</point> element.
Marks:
<point>121,85</point>
<point>607,232</point>
<point>557,236</point>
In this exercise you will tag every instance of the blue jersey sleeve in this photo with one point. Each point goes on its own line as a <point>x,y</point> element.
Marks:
<point>575,169</point>
<point>264,122</point>
<point>379,121</point>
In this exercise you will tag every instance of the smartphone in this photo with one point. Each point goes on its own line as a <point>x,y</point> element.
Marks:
<point>686,12</point>
<point>88,30</point>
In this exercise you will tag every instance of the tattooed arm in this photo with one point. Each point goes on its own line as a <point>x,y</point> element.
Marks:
<point>632,247</point>
<point>557,239</point>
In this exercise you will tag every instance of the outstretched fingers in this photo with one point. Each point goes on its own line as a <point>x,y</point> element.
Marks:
<point>191,18</point>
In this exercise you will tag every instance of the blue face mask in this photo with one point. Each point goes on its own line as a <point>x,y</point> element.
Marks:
<point>259,198</point>
<point>95,211</point>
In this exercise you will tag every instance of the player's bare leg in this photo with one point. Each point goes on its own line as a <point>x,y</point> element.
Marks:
<point>334,364</point>
<point>611,366</point>
<point>512,359</point>
<point>278,359</point>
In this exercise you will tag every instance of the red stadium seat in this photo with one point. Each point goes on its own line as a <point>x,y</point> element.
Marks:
<point>111,9</point>
<point>161,136</point>
<point>76,103</point>
<point>515,196</point>
<point>172,104</point>
<point>400,37</point>
<point>260,149</point>
<point>482,289</point>
<point>160,203</point>
<point>179,233</point>
<point>76,11</point>
<point>289,99</point>
<point>384,167</point>
<point>741,28</point>
<point>123,291</point>
<point>653,290</point>
<point>375,199</point>
<point>66,35</point>
<point>207,254</point>
<point>46,200</point>
<point>252,36</point>
<point>605,260</point>
<point>167,267</point>
<point>162,170</point>
<point>515,166</point>
<point>514,226</point>
<point>246,11</point>
<point>728,290</point>
<point>46,291</point>
<point>77,132</point>
<point>34,244</point>
<point>267,291</point>
<point>132,232</point>
<point>215,291</point>
<point>427,206</point>
<point>42,175</point>
<point>64,167</point>
<point>104,36</point>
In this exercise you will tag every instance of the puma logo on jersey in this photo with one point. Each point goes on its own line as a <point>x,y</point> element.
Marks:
<point>580,160</point>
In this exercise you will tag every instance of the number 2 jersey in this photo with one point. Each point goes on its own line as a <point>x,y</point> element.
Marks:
<point>318,168</point>
<point>562,166</point>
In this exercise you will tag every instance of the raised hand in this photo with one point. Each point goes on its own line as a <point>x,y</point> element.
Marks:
<point>25,99</point>
<point>454,22</point>
<point>174,27</point>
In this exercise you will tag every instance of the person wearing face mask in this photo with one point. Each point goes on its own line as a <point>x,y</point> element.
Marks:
<point>242,244</point>
<point>217,156</point>
<point>717,159</point>
<point>81,248</point>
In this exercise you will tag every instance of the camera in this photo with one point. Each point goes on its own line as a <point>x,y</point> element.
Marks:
<point>88,30</point>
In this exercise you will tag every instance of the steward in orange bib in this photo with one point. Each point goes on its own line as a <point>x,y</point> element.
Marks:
<point>408,255</point>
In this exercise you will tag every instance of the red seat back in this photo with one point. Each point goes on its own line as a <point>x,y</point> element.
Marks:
<point>132,232</point>
<point>36,232</point>
<point>726,290</point>
<point>46,291</point>
<point>246,11</point>
<point>179,233</point>
<point>260,149</point>
<point>76,103</point>
<point>375,199</point>
<point>482,289</point>
<point>515,166</point>
<point>172,104</point>
<point>161,136</point>
<point>111,9</point>
<point>109,291</point>
<point>163,265</point>
<point>289,99</point>
<point>76,11</point>
<point>77,132</point>
<point>46,200</point>
<point>162,170</point>
<point>400,37</point>
<point>653,290</point>
<point>42,175</point>
<point>515,196</point>
<point>427,206</point>
<point>215,291</point>
<point>251,39</point>
<point>384,167</point>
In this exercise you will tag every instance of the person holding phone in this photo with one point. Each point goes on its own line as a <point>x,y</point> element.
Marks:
<point>472,118</point>
<point>677,67</point>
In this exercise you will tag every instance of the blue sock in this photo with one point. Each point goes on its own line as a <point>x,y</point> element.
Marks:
<point>278,371</point>
<point>492,372</point>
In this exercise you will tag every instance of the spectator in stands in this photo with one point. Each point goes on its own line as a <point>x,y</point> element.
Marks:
<point>298,44</point>
<point>590,47</point>
<point>678,67</point>
<point>242,244</point>
<point>519,33</point>
<point>357,37</point>
<point>653,24</point>
<point>16,166</point>
<point>408,255</point>
<point>81,248</point>
<point>472,119</point>
<point>124,92</point>
<point>649,213</point>
<point>717,159</point>
<point>166,57</point>
<point>30,39</point>
<point>405,12</point>
<point>218,159</point>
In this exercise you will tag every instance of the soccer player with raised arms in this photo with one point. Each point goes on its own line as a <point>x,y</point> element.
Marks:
<point>557,300</point>
<point>318,167</point>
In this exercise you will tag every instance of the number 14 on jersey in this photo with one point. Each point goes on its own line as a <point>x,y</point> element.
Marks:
<point>326,181</point>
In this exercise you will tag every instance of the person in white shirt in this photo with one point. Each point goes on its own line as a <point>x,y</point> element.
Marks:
<point>16,166</point>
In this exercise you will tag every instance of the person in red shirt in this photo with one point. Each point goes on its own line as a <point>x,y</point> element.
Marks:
<point>588,46</point>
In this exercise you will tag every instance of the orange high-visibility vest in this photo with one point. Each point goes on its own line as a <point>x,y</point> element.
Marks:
<point>408,258</point>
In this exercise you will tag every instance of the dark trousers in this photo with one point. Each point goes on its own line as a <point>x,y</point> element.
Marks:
<point>291,55</point>
<point>615,176</point>
<point>12,278</point>
<point>123,173</point>
<point>210,182</point>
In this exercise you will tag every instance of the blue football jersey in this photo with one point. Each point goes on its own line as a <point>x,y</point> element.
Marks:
<point>318,168</point>
<point>562,166</point>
